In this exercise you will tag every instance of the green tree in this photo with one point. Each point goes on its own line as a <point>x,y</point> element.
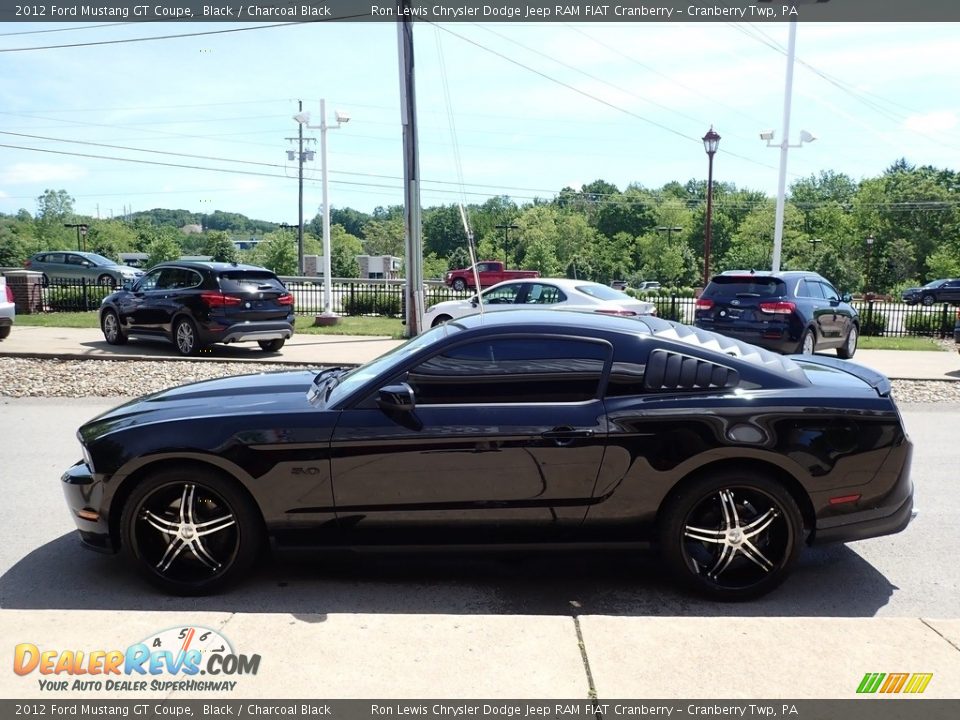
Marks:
<point>110,238</point>
<point>54,208</point>
<point>161,249</point>
<point>220,247</point>
<point>276,253</point>
<point>344,248</point>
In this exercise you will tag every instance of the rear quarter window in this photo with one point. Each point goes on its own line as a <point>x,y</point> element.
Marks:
<point>245,281</point>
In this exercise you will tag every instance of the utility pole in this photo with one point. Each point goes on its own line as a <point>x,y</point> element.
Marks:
<point>411,175</point>
<point>301,158</point>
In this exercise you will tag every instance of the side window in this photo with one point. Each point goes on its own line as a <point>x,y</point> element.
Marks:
<point>814,289</point>
<point>149,281</point>
<point>803,290</point>
<point>482,267</point>
<point>538,294</point>
<point>829,293</point>
<point>179,278</point>
<point>74,260</point>
<point>55,258</point>
<point>626,378</point>
<point>515,370</point>
<point>505,295</point>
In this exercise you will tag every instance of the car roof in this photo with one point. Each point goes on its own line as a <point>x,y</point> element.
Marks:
<point>209,265</point>
<point>784,274</point>
<point>559,282</point>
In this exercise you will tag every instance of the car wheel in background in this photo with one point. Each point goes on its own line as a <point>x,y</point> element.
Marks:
<point>808,342</point>
<point>110,325</point>
<point>440,320</point>
<point>849,346</point>
<point>927,300</point>
<point>731,536</point>
<point>45,281</point>
<point>105,279</point>
<point>190,531</point>
<point>185,337</point>
<point>459,284</point>
<point>271,345</point>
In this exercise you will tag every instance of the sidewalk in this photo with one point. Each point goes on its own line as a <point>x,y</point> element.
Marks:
<point>303,349</point>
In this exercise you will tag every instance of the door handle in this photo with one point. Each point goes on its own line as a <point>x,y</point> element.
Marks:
<point>562,436</point>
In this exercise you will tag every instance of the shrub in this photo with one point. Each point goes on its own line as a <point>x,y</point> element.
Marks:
<point>921,323</point>
<point>76,298</point>
<point>873,323</point>
<point>371,303</point>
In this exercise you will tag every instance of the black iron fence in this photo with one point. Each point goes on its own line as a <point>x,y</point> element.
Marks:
<point>386,298</point>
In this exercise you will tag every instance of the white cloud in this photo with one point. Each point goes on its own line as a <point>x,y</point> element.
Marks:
<point>25,173</point>
<point>931,122</point>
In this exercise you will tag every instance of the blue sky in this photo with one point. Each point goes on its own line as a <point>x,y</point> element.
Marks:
<point>534,107</point>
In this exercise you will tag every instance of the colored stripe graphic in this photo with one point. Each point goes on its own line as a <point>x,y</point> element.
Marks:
<point>893,683</point>
<point>918,683</point>
<point>870,682</point>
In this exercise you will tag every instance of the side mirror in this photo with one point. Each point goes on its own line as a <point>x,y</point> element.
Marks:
<point>474,301</point>
<point>846,297</point>
<point>396,398</point>
<point>128,285</point>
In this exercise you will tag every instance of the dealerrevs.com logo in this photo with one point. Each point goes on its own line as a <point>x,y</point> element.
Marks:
<point>170,660</point>
<point>893,683</point>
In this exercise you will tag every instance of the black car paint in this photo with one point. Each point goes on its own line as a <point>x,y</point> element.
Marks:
<point>944,291</point>
<point>351,475</point>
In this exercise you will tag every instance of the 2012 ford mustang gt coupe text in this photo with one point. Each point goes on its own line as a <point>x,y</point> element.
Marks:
<point>510,429</point>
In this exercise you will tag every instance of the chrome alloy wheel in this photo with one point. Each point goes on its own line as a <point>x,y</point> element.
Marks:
<point>807,347</point>
<point>185,337</point>
<point>736,537</point>
<point>186,533</point>
<point>111,327</point>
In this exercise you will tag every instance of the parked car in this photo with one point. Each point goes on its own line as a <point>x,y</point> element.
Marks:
<point>490,273</point>
<point>649,285</point>
<point>542,294</point>
<point>73,266</point>
<point>8,310</point>
<point>945,291</point>
<point>511,429</point>
<point>194,304</point>
<point>789,312</point>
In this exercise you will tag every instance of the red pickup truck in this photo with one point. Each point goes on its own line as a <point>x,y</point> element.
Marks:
<point>490,271</point>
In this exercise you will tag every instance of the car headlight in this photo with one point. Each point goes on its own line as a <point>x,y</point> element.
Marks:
<point>86,454</point>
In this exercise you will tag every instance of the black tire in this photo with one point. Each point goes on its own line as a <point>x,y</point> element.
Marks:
<point>271,345</point>
<point>45,281</point>
<point>440,320</point>
<point>110,325</point>
<point>5,332</point>
<point>731,536</point>
<point>460,284</point>
<point>106,279</point>
<point>185,337</point>
<point>808,342</point>
<point>849,347</point>
<point>928,300</point>
<point>159,531</point>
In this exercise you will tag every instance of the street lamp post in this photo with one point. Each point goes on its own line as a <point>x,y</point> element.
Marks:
<point>711,141</point>
<point>870,240</point>
<point>506,238</point>
<point>328,316</point>
<point>81,230</point>
<point>669,230</point>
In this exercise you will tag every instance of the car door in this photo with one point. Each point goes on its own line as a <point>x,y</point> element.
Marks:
<point>56,267</point>
<point>842,318</point>
<point>503,297</point>
<point>810,293</point>
<point>950,292</point>
<point>144,309</point>
<point>503,444</point>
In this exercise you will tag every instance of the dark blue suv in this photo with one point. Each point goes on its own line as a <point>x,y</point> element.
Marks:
<point>788,312</point>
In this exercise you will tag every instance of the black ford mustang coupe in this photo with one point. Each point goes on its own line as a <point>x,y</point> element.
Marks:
<point>510,429</point>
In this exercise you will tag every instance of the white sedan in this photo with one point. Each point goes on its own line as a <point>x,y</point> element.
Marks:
<point>545,293</point>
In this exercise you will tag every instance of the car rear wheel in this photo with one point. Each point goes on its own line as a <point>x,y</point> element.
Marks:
<point>185,337</point>
<point>105,280</point>
<point>190,531</point>
<point>271,345</point>
<point>808,343</point>
<point>4,332</point>
<point>441,319</point>
<point>731,536</point>
<point>849,346</point>
<point>459,284</point>
<point>110,325</point>
<point>928,300</point>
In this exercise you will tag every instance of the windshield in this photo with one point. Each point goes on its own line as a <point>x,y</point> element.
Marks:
<point>357,377</point>
<point>933,284</point>
<point>99,259</point>
<point>745,286</point>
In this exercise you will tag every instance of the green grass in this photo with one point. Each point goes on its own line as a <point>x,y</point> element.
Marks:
<point>390,327</point>
<point>899,343</point>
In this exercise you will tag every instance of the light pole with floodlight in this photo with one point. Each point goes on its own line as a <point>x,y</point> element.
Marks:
<point>870,240</point>
<point>711,141</point>
<point>304,119</point>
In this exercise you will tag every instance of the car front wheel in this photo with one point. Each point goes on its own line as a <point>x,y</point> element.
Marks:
<point>110,325</point>
<point>190,531</point>
<point>459,284</point>
<point>808,343</point>
<point>733,536</point>
<point>928,300</point>
<point>185,337</point>
<point>105,280</point>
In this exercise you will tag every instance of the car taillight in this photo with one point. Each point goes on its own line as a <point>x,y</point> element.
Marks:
<point>9,293</point>
<point>285,299</point>
<point>704,304</point>
<point>778,308</point>
<point>215,299</point>
<point>27,264</point>
<point>618,313</point>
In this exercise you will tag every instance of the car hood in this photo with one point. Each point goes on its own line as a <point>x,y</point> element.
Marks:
<point>260,394</point>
